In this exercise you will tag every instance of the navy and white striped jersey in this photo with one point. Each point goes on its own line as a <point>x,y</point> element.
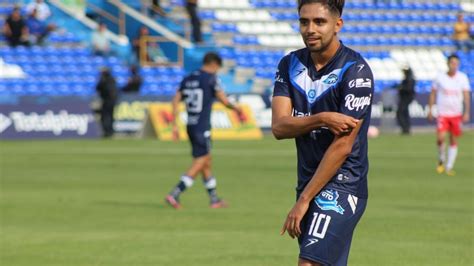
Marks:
<point>344,85</point>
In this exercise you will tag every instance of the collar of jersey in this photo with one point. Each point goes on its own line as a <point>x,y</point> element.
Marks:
<point>315,74</point>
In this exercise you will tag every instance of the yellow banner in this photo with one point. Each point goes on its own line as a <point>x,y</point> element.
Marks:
<point>226,124</point>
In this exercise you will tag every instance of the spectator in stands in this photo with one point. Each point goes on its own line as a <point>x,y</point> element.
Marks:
<point>461,35</point>
<point>134,82</point>
<point>191,8</point>
<point>406,94</point>
<point>15,29</point>
<point>153,50</point>
<point>142,32</point>
<point>100,41</point>
<point>41,8</point>
<point>38,30</point>
<point>107,89</point>
<point>157,9</point>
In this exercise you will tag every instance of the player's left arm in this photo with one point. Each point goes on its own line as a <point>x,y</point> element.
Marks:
<point>332,160</point>
<point>356,99</point>
<point>221,97</point>
<point>467,105</point>
<point>467,100</point>
<point>174,107</point>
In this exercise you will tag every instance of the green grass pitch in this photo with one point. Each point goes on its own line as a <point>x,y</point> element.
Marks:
<point>101,203</point>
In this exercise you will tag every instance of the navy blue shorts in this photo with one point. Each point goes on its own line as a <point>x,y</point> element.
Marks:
<point>200,142</point>
<point>327,228</point>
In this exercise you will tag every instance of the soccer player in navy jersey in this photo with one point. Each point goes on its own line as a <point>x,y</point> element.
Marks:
<point>199,90</point>
<point>312,84</point>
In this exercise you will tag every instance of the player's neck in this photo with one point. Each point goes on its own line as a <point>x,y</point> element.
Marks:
<point>320,59</point>
<point>452,73</point>
<point>208,70</point>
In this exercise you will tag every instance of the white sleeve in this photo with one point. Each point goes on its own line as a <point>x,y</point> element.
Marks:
<point>466,86</point>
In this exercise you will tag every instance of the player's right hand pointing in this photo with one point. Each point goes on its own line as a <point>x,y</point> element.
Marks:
<point>339,124</point>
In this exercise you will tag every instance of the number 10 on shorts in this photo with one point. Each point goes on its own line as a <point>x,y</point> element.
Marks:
<point>319,225</point>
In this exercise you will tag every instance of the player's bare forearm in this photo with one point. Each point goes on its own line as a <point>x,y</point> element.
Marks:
<point>432,99</point>
<point>174,105</point>
<point>291,127</point>
<point>467,105</point>
<point>221,97</point>
<point>285,125</point>
<point>332,160</point>
<point>431,102</point>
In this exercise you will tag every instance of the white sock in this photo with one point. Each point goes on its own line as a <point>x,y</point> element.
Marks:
<point>452,153</point>
<point>187,180</point>
<point>210,183</point>
<point>442,152</point>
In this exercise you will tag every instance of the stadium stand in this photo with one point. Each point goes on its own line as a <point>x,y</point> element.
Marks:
<point>67,66</point>
<point>252,36</point>
<point>415,33</point>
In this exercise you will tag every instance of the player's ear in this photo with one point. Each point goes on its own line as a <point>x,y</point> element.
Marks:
<point>338,25</point>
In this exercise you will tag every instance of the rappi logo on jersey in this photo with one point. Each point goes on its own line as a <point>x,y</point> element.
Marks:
<point>357,103</point>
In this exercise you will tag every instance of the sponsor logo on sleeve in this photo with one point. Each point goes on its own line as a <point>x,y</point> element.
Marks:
<point>357,103</point>
<point>360,83</point>
<point>342,178</point>
<point>278,78</point>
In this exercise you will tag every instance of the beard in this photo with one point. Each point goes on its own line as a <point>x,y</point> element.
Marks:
<point>321,46</point>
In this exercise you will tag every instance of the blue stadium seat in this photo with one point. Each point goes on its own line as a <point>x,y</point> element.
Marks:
<point>446,41</point>
<point>351,16</point>
<point>453,6</point>
<point>377,17</point>
<point>218,27</point>
<point>207,15</point>
<point>420,41</point>
<point>227,53</point>
<point>240,40</point>
<point>411,29</point>
<point>374,29</point>
<point>5,10</point>
<point>18,89</point>
<point>33,89</point>
<point>4,89</point>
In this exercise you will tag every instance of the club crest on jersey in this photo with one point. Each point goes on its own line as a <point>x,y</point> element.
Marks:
<point>357,103</point>
<point>311,95</point>
<point>331,79</point>
<point>327,201</point>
